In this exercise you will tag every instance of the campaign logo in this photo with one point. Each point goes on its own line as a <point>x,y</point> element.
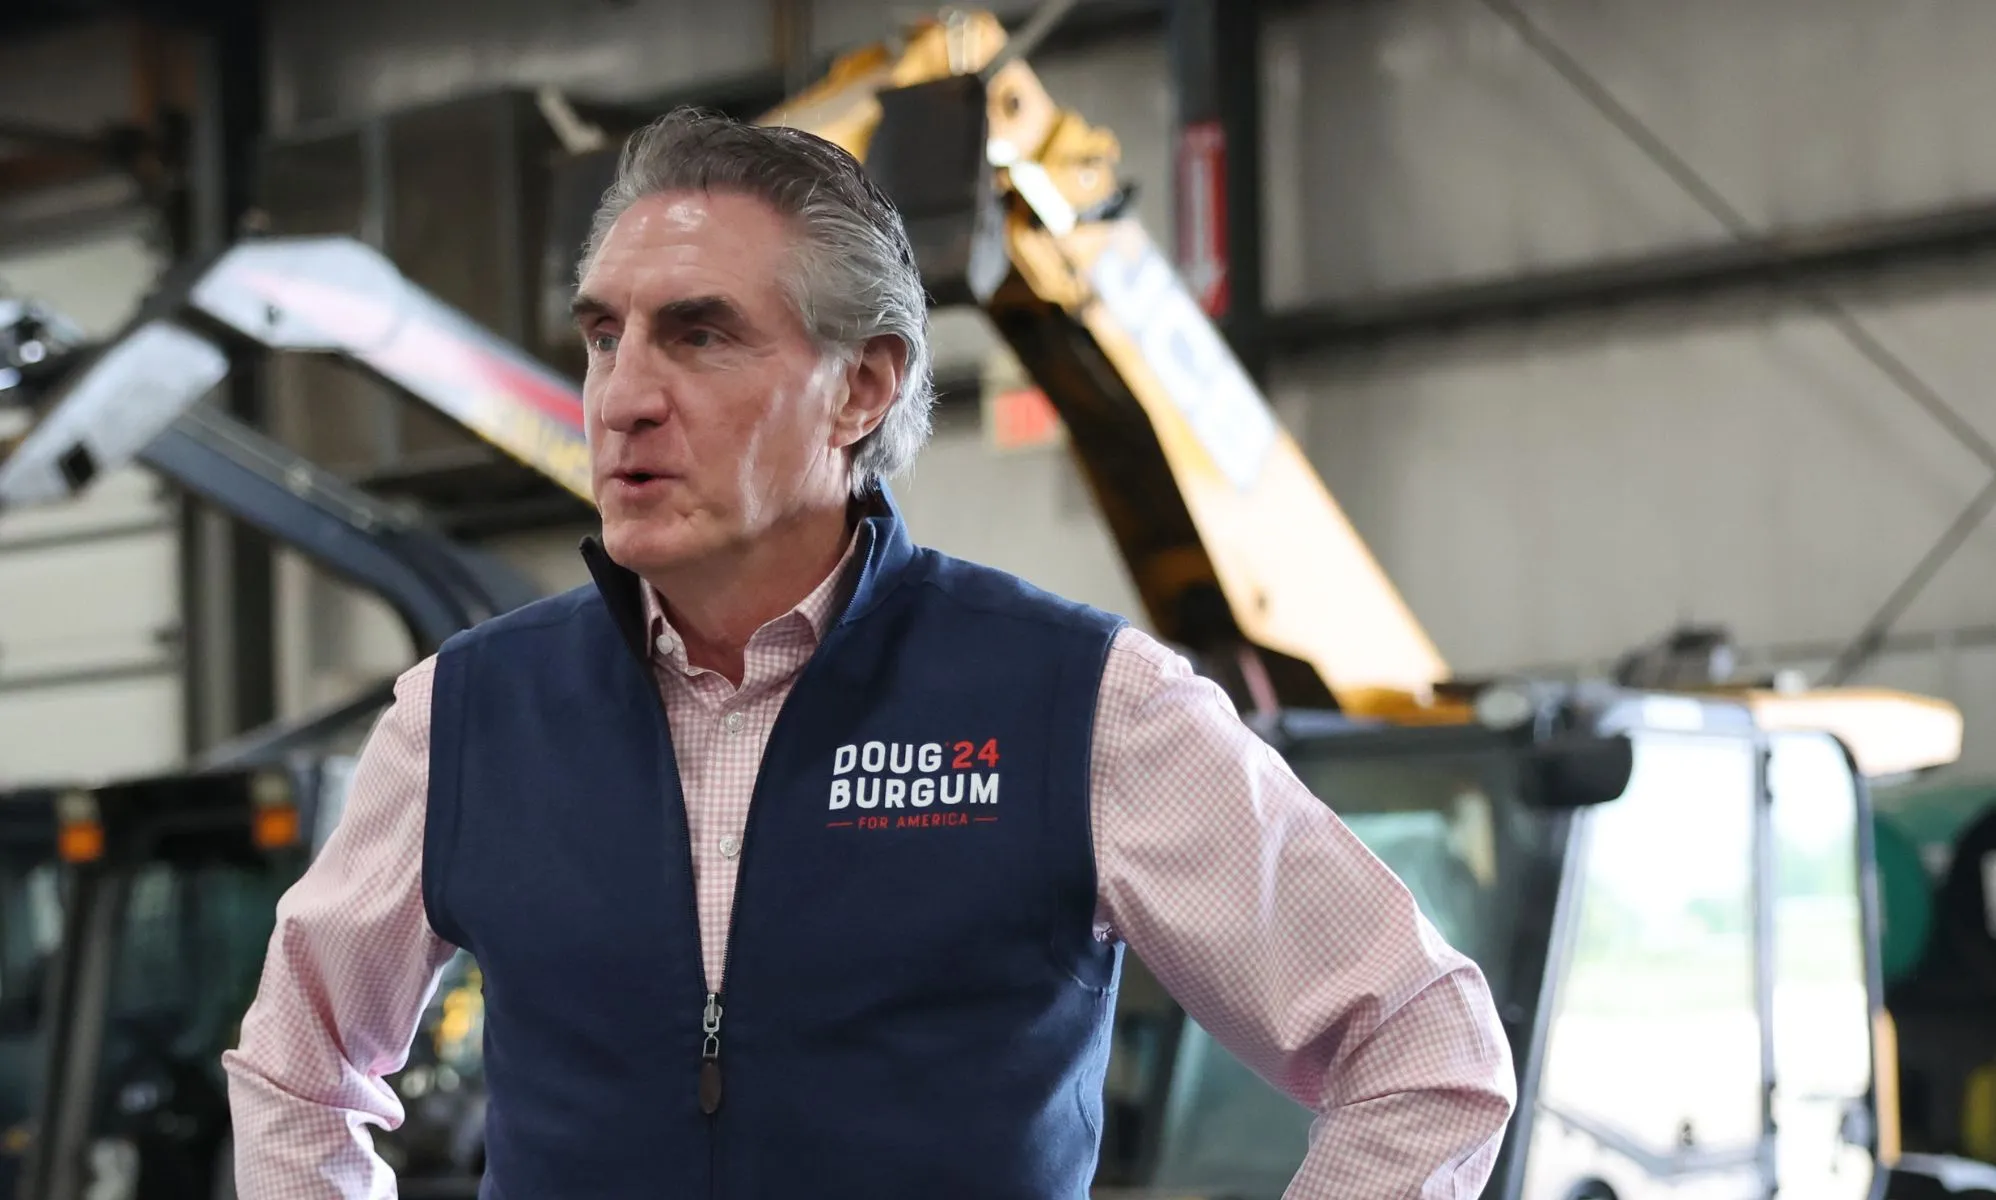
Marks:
<point>914,785</point>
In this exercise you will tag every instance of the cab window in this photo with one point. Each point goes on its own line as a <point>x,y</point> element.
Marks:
<point>1822,1012</point>
<point>1651,1075</point>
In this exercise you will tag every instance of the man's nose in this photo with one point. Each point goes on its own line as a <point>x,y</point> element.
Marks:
<point>635,392</point>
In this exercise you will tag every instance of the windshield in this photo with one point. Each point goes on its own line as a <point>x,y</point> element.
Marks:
<point>195,923</point>
<point>190,950</point>
<point>1442,810</point>
<point>1657,983</point>
<point>1451,828</point>
<point>186,969</point>
<point>30,927</point>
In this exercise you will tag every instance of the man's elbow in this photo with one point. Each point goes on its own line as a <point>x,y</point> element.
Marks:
<point>1479,1088</point>
<point>1486,1040</point>
<point>1449,1045</point>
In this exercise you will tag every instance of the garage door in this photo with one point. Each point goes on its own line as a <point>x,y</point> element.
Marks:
<point>90,684</point>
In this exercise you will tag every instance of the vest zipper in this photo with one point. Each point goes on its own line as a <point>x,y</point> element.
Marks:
<point>710,1055</point>
<point>710,1012</point>
<point>710,1016</point>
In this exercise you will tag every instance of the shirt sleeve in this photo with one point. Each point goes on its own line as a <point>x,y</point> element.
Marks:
<point>1275,928</point>
<point>350,966</point>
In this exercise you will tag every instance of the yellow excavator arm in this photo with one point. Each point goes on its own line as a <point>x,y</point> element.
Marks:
<point>1231,537</point>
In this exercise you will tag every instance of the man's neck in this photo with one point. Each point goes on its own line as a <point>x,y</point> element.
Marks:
<point>717,607</point>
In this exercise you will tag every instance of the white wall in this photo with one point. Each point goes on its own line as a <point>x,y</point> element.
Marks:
<point>90,686</point>
<point>1420,141</point>
<point>1554,494</point>
<point>1025,511</point>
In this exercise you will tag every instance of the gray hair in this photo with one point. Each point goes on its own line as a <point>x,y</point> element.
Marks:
<point>855,276</point>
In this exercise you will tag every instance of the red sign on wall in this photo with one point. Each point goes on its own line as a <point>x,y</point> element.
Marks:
<point>1021,419</point>
<point>1202,214</point>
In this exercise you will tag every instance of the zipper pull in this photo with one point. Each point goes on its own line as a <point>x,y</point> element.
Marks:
<point>710,1055</point>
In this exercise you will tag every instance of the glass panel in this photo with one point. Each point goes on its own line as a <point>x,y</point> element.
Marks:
<point>1822,1015</point>
<point>1652,1064</point>
<point>189,955</point>
<point>1225,1130</point>
<point>30,926</point>
<point>1451,827</point>
<point>187,967</point>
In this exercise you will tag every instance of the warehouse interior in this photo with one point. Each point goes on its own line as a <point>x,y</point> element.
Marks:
<point>1639,350</point>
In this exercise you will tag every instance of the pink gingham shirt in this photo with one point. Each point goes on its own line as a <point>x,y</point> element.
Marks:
<point>1249,901</point>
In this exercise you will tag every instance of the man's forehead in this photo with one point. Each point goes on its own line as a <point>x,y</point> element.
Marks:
<point>675,211</point>
<point>676,214</point>
<point>668,239</point>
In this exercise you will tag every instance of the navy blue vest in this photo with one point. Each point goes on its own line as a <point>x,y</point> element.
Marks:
<point>915,1002</point>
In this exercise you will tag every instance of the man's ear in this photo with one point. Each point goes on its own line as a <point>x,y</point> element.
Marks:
<point>872,381</point>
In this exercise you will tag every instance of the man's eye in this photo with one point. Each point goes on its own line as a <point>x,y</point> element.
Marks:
<point>603,343</point>
<point>700,339</point>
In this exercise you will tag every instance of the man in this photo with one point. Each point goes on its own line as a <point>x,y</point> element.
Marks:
<point>799,860</point>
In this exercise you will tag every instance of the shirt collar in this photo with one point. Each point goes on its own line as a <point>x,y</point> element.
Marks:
<point>814,612</point>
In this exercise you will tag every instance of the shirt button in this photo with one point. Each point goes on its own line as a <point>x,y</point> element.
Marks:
<point>734,722</point>
<point>730,846</point>
<point>664,644</point>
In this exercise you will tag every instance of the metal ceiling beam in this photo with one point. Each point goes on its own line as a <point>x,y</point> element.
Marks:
<point>1802,256</point>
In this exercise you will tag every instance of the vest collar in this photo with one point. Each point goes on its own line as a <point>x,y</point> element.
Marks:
<point>884,552</point>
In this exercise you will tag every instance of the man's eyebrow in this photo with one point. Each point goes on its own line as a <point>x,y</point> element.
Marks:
<point>693,310</point>
<point>696,310</point>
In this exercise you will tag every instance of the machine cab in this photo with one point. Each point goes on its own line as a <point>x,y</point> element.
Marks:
<point>1669,903</point>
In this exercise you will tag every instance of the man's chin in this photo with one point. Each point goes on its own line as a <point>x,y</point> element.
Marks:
<point>652,546</point>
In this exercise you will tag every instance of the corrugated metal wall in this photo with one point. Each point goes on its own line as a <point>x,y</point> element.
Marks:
<point>1421,141</point>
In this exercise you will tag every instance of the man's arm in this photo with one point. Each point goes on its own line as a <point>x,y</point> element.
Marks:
<point>1280,933</point>
<point>350,967</point>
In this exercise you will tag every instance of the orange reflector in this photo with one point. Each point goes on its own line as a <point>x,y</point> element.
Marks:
<point>81,841</point>
<point>275,827</point>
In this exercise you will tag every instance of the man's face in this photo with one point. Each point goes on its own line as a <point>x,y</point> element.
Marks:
<point>712,415</point>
